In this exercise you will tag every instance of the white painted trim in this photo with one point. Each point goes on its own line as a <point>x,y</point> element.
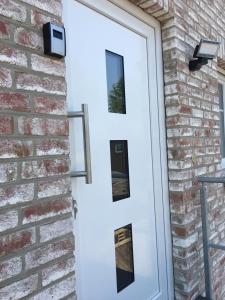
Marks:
<point>164,163</point>
<point>130,18</point>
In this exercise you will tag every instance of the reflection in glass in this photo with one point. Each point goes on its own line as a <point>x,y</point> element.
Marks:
<point>124,257</point>
<point>115,83</point>
<point>119,170</point>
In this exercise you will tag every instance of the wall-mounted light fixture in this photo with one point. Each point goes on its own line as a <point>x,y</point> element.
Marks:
<point>206,50</point>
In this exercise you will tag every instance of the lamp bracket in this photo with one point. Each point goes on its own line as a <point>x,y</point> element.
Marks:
<point>196,51</point>
<point>196,64</point>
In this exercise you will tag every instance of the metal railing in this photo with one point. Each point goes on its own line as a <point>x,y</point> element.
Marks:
<point>218,177</point>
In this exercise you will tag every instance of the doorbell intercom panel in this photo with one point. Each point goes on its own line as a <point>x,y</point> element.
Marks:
<point>54,40</point>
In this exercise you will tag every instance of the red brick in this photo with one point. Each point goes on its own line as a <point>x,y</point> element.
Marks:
<point>41,84</point>
<point>178,154</point>
<point>15,148</point>
<point>54,7</point>
<point>46,209</point>
<point>14,101</point>
<point>48,65</point>
<point>72,297</point>
<point>4,30</point>
<point>11,9</point>
<point>10,268</point>
<point>19,289</point>
<point>180,164</point>
<point>179,142</point>
<point>180,175</point>
<point>53,188</point>
<point>16,241</point>
<point>57,291</point>
<point>180,231</point>
<point>153,5</point>
<point>52,230</point>
<point>8,172</point>
<point>153,9</point>
<point>49,252</point>
<point>5,78</point>
<point>41,126</point>
<point>38,19</point>
<point>8,220</point>
<point>13,56</point>
<point>6,125</point>
<point>28,38</point>
<point>176,121</point>
<point>187,242</point>
<point>57,271</point>
<point>44,168</point>
<point>52,147</point>
<point>46,105</point>
<point>14,194</point>
<point>180,132</point>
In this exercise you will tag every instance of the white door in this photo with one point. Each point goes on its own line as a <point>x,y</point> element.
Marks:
<point>119,253</point>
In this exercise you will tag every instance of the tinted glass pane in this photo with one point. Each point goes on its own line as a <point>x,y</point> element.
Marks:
<point>115,83</point>
<point>120,170</point>
<point>124,257</point>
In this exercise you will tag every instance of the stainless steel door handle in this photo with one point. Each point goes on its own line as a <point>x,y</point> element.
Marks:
<point>83,114</point>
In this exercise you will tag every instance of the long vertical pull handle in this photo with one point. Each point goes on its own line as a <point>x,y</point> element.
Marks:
<point>83,114</point>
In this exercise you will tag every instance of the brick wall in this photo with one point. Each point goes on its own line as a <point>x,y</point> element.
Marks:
<point>193,139</point>
<point>36,242</point>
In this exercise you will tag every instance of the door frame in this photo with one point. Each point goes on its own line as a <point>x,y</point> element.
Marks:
<point>128,12</point>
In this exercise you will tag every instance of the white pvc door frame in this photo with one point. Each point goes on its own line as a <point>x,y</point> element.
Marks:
<point>109,8</point>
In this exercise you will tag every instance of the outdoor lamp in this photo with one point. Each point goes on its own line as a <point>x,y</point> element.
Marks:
<point>203,52</point>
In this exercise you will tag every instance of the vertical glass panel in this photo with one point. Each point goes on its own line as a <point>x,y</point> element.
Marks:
<point>119,170</point>
<point>222,124</point>
<point>115,83</point>
<point>124,257</point>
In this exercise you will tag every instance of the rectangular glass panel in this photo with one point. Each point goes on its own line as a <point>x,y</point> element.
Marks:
<point>57,34</point>
<point>119,170</point>
<point>124,257</point>
<point>222,124</point>
<point>115,83</point>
